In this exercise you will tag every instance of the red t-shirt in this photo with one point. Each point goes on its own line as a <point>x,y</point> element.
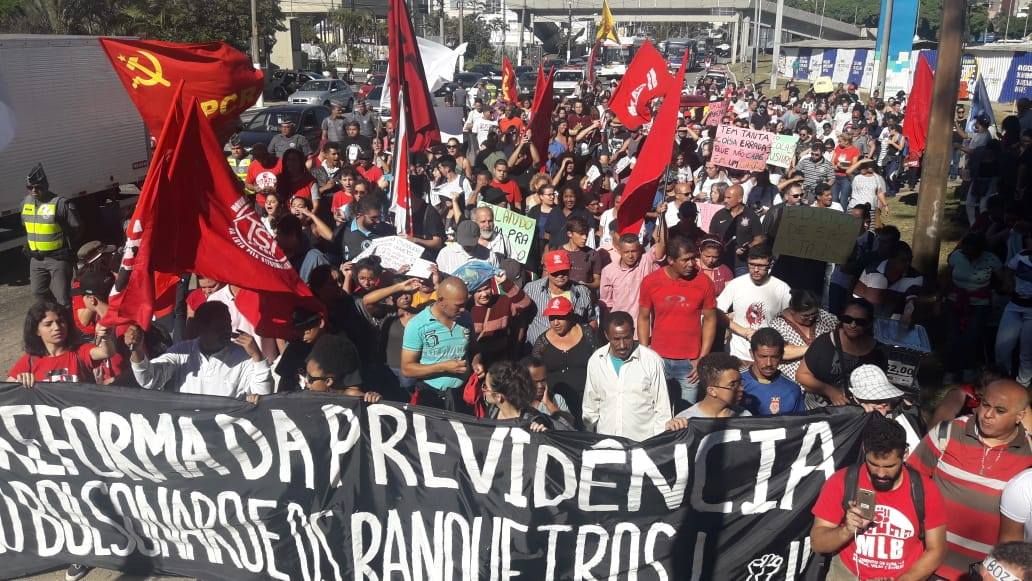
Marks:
<point>77,304</point>
<point>256,168</point>
<point>340,199</point>
<point>301,188</point>
<point>511,189</point>
<point>677,307</point>
<point>76,365</point>
<point>195,299</point>
<point>371,175</point>
<point>891,545</point>
<point>844,156</point>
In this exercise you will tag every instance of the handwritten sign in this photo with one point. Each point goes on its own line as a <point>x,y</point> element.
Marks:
<point>816,233</point>
<point>395,253</point>
<point>741,148</point>
<point>715,113</point>
<point>782,150</point>
<point>517,229</point>
<point>823,85</point>
<point>706,213</point>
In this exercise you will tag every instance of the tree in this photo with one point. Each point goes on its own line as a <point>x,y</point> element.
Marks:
<point>172,20</point>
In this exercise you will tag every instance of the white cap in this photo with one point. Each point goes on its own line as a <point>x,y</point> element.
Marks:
<point>869,383</point>
<point>265,181</point>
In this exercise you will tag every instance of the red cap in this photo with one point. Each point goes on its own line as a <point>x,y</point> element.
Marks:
<point>558,306</point>
<point>556,261</point>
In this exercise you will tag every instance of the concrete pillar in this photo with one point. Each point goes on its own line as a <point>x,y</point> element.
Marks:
<point>744,36</point>
<point>286,52</point>
<point>735,27</point>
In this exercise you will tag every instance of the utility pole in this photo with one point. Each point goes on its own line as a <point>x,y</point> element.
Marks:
<point>441,20</point>
<point>883,64</point>
<point>936,163</point>
<point>462,57</point>
<point>523,18</point>
<point>256,60</point>
<point>777,45</point>
<point>757,14</point>
<point>570,23</point>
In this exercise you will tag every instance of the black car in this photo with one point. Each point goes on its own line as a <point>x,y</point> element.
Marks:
<point>467,80</point>
<point>486,70</point>
<point>266,124</point>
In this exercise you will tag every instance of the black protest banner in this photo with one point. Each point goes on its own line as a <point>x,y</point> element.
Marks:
<point>310,486</point>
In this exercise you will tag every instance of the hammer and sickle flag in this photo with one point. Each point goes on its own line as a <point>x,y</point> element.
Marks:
<point>220,77</point>
<point>607,27</point>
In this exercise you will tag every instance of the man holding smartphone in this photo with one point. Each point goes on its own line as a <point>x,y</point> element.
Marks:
<point>888,526</point>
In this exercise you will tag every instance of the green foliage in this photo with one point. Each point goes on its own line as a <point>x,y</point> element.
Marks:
<point>173,20</point>
<point>866,13</point>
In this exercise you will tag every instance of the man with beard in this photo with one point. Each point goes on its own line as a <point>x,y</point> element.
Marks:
<point>677,317</point>
<point>752,301</point>
<point>972,458</point>
<point>489,238</point>
<point>901,534</point>
<point>797,272</point>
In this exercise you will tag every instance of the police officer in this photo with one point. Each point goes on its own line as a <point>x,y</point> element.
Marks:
<point>238,159</point>
<point>51,225</point>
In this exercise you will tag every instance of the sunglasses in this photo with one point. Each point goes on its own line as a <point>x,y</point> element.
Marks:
<point>310,379</point>
<point>847,320</point>
<point>35,188</point>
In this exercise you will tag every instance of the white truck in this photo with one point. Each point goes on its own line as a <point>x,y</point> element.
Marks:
<point>72,114</point>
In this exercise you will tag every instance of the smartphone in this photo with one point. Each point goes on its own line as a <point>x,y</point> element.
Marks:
<point>865,502</point>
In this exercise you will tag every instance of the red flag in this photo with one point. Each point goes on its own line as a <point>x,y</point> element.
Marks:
<point>646,79</point>
<point>541,113</point>
<point>402,193</point>
<point>508,81</point>
<point>919,109</point>
<point>219,76</point>
<point>405,69</point>
<point>653,159</point>
<point>193,217</point>
<point>591,64</point>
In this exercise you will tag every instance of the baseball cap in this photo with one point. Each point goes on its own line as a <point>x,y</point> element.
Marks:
<point>869,383</point>
<point>303,319</point>
<point>467,233</point>
<point>96,284</point>
<point>557,261</point>
<point>558,306</point>
<point>93,250</point>
<point>265,181</point>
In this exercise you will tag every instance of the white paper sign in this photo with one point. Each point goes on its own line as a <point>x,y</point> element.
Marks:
<point>395,252</point>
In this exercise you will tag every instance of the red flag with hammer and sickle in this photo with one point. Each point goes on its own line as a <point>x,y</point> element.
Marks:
<point>220,77</point>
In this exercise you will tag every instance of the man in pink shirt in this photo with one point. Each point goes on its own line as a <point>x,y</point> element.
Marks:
<point>621,280</point>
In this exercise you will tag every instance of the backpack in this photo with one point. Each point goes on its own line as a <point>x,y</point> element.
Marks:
<point>916,493</point>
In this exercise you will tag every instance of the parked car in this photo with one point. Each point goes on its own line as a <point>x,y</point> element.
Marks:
<point>373,100</point>
<point>486,70</point>
<point>266,124</point>
<point>526,81</point>
<point>282,82</point>
<point>443,91</point>
<point>371,82</point>
<point>379,67</point>
<point>467,79</point>
<point>323,92</point>
<point>567,82</point>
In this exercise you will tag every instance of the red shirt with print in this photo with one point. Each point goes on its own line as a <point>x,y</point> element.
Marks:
<point>74,365</point>
<point>890,546</point>
<point>843,157</point>
<point>340,199</point>
<point>511,189</point>
<point>677,306</point>
<point>371,175</point>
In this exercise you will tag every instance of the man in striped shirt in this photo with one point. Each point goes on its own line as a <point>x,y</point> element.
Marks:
<point>971,459</point>
<point>815,170</point>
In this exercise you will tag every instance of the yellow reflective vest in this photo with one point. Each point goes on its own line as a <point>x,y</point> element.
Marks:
<point>42,230</point>
<point>239,167</point>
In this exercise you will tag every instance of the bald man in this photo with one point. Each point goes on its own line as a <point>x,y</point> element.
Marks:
<point>738,228</point>
<point>971,459</point>
<point>435,349</point>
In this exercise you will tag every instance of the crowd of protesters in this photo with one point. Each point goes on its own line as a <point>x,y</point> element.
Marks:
<point>622,334</point>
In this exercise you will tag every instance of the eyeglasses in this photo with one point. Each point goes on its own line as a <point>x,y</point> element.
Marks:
<point>847,320</point>
<point>735,386</point>
<point>308,379</point>
<point>450,146</point>
<point>764,266</point>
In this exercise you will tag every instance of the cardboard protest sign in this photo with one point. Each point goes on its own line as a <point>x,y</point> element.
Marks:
<point>517,229</point>
<point>395,252</point>
<point>823,85</point>
<point>706,213</point>
<point>816,233</point>
<point>741,148</point>
<point>715,113</point>
<point>782,150</point>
